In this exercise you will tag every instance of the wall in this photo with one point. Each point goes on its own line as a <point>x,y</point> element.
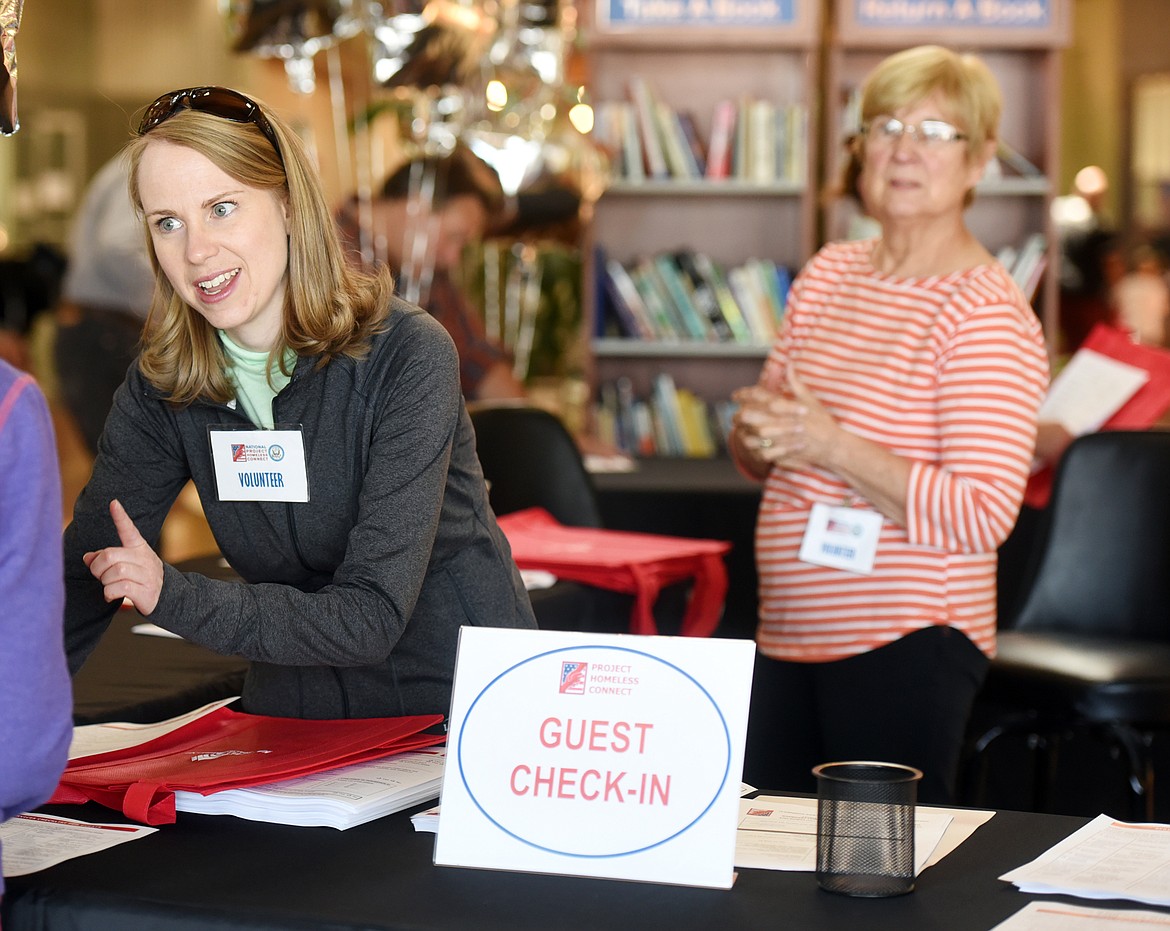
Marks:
<point>104,60</point>
<point>107,58</point>
<point>1092,99</point>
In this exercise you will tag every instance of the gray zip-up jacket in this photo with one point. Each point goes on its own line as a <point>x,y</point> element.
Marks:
<point>353,600</point>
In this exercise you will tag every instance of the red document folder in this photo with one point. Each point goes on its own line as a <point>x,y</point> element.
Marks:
<point>1143,410</point>
<point>227,750</point>
<point>624,561</point>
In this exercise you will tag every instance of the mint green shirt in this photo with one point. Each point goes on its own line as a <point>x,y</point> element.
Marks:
<point>248,371</point>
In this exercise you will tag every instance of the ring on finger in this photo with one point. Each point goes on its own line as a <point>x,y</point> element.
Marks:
<point>765,442</point>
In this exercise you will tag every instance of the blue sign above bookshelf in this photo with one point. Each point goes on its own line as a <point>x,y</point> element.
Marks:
<point>990,23</point>
<point>693,13</point>
<point>999,14</point>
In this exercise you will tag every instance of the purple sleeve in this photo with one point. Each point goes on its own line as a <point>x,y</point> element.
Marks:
<point>36,706</point>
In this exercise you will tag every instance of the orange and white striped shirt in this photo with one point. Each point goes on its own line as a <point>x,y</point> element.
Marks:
<point>947,371</point>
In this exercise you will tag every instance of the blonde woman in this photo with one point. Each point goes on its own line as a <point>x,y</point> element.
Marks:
<point>892,427</point>
<point>321,421</point>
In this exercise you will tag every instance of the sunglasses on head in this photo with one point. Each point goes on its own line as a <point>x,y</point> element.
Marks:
<point>223,102</point>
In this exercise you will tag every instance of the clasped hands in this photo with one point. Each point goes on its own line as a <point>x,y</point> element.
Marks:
<point>790,429</point>
<point>132,570</point>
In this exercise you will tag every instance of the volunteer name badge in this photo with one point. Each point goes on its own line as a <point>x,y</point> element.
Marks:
<point>596,755</point>
<point>259,465</point>
<point>841,538</point>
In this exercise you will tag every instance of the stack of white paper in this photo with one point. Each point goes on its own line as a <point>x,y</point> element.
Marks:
<point>1105,859</point>
<point>338,798</point>
<point>427,820</point>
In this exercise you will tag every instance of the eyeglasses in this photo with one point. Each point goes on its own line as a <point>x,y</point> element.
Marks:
<point>223,102</point>
<point>889,129</point>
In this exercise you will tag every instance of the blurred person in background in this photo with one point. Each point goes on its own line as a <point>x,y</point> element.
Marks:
<point>105,298</point>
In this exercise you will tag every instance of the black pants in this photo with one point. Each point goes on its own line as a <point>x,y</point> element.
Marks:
<point>92,355</point>
<point>907,702</point>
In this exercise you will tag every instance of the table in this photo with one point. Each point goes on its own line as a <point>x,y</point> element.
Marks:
<point>217,871</point>
<point>138,678</point>
<point>706,498</point>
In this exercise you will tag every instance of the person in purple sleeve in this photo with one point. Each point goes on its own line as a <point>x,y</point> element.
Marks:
<point>36,702</point>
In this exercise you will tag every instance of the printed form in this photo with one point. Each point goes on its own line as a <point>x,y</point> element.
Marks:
<point>780,833</point>
<point>35,842</point>
<point>1105,859</point>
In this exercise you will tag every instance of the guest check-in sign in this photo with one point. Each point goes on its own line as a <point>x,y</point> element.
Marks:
<point>612,756</point>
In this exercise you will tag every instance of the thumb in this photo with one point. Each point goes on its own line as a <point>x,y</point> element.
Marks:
<point>127,532</point>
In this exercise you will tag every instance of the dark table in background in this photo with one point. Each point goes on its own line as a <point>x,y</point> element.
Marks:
<point>705,498</point>
<point>141,679</point>
<point>217,871</point>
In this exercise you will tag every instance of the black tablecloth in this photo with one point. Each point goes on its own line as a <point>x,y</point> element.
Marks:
<point>139,678</point>
<point>222,872</point>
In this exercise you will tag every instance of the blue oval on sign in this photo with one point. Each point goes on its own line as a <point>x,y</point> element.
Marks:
<point>601,762</point>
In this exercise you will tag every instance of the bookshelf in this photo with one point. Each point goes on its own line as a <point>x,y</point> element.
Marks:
<point>762,207</point>
<point>1023,51</point>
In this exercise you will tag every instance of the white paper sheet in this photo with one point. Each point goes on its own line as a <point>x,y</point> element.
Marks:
<point>1053,916</point>
<point>102,738</point>
<point>534,579</point>
<point>153,630</point>
<point>1106,859</point>
<point>35,842</point>
<point>780,833</point>
<point>1089,390</point>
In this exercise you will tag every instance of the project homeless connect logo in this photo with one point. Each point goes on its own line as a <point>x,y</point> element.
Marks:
<point>573,678</point>
<point>257,452</point>
<point>606,679</point>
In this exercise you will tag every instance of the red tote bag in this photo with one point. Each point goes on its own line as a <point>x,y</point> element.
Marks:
<point>640,564</point>
<point>227,750</point>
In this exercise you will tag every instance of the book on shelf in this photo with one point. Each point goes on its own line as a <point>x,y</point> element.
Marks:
<point>644,103</point>
<point>685,296</point>
<point>1026,263</point>
<point>760,161</point>
<point>667,326</point>
<point>672,421</point>
<point>703,295</point>
<point>729,309</point>
<point>794,162</point>
<point>695,324</point>
<point>753,300</point>
<point>751,139</point>
<point>722,137</point>
<point>668,415</point>
<point>690,131</point>
<point>633,160</point>
<point>631,312</point>
<point>679,159</point>
<point>740,144</point>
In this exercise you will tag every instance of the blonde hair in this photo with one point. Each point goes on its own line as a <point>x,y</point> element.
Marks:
<point>331,308</point>
<point>969,90</point>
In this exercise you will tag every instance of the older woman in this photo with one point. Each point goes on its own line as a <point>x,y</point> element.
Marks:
<point>893,426</point>
<point>321,421</point>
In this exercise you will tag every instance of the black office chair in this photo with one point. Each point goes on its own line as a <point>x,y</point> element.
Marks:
<point>530,459</point>
<point>1088,649</point>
